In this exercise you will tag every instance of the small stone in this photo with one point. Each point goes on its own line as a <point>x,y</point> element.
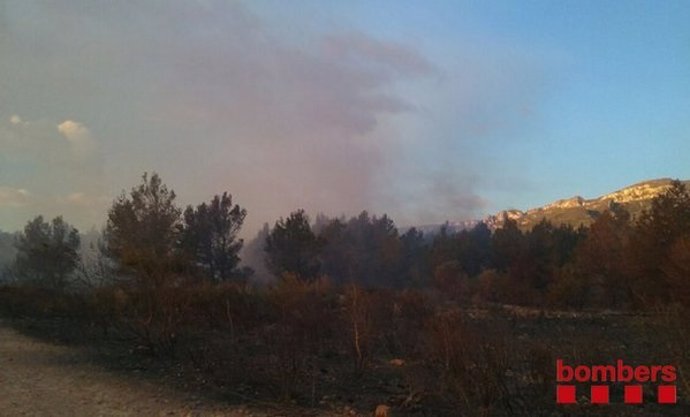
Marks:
<point>396,362</point>
<point>382,410</point>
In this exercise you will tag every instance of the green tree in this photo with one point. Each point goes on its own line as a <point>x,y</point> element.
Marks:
<point>414,265</point>
<point>676,269</point>
<point>599,257</point>
<point>474,249</point>
<point>365,249</point>
<point>292,247</point>
<point>336,253</point>
<point>7,249</point>
<point>507,244</point>
<point>142,231</point>
<point>384,244</point>
<point>444,248</point>
<point>653,240</point>
<point>209,236</point>
<point>47,252</point>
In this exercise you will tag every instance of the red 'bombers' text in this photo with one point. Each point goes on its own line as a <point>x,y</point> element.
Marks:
<point>618,373</point>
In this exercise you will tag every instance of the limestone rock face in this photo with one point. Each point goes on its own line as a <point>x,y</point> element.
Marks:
<point>577,210</point>
<point>574,211</point>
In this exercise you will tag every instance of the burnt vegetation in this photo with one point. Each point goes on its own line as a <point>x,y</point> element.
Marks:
<point>358,312</point>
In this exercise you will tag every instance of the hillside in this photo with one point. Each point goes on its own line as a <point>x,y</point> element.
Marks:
<point>578,211</point>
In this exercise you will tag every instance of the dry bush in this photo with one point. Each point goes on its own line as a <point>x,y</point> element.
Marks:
<point>307,308</point>
<point>676,270</point>
<point>154,316</point>
<point>410,312</point>
<point>32,301</point>
<point>485,366</point>
<point>540,361</point>
<point>569,290</point>
<point>359,324</point>
<point>451,280</point>
<point>487,287</point>
<point>492,286</point>
<point>533,387</point>
<point>473,363</point>
<point>670,329</point>
<point>108,306</point>
<point>301,327</point>
<point>234,308</point>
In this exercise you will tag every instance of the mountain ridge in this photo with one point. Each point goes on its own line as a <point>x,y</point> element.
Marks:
<point>574,211</point>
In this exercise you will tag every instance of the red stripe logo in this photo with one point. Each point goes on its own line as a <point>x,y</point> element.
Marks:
<point>600,378</point>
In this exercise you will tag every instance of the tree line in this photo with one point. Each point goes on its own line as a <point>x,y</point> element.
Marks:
<point>617,262</point>
<point>150,242</point>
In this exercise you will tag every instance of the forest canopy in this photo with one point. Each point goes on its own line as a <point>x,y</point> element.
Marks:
<point>150,241</point>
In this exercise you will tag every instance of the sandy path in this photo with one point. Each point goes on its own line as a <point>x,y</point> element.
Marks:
<point>41,379</point>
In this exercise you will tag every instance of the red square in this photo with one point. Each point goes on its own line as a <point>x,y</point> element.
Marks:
<point>600,394</point>
<point>633,394</point>
<point>565,394</point>
<point>666,394</point>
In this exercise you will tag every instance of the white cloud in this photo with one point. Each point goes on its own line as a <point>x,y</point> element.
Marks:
<point>73,131</point>
<point>61,166</point>
<point>78,135</point>
<point>13,197</point>
<point>77,198</point>
<point>83,199</point>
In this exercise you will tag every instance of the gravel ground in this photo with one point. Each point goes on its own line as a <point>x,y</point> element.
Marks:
<point>45,380</point>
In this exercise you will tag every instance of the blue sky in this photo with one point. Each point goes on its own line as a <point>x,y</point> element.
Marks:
<point>425,110</point>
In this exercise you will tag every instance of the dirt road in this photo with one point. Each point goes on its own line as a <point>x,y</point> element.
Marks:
<point>45,380</point>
